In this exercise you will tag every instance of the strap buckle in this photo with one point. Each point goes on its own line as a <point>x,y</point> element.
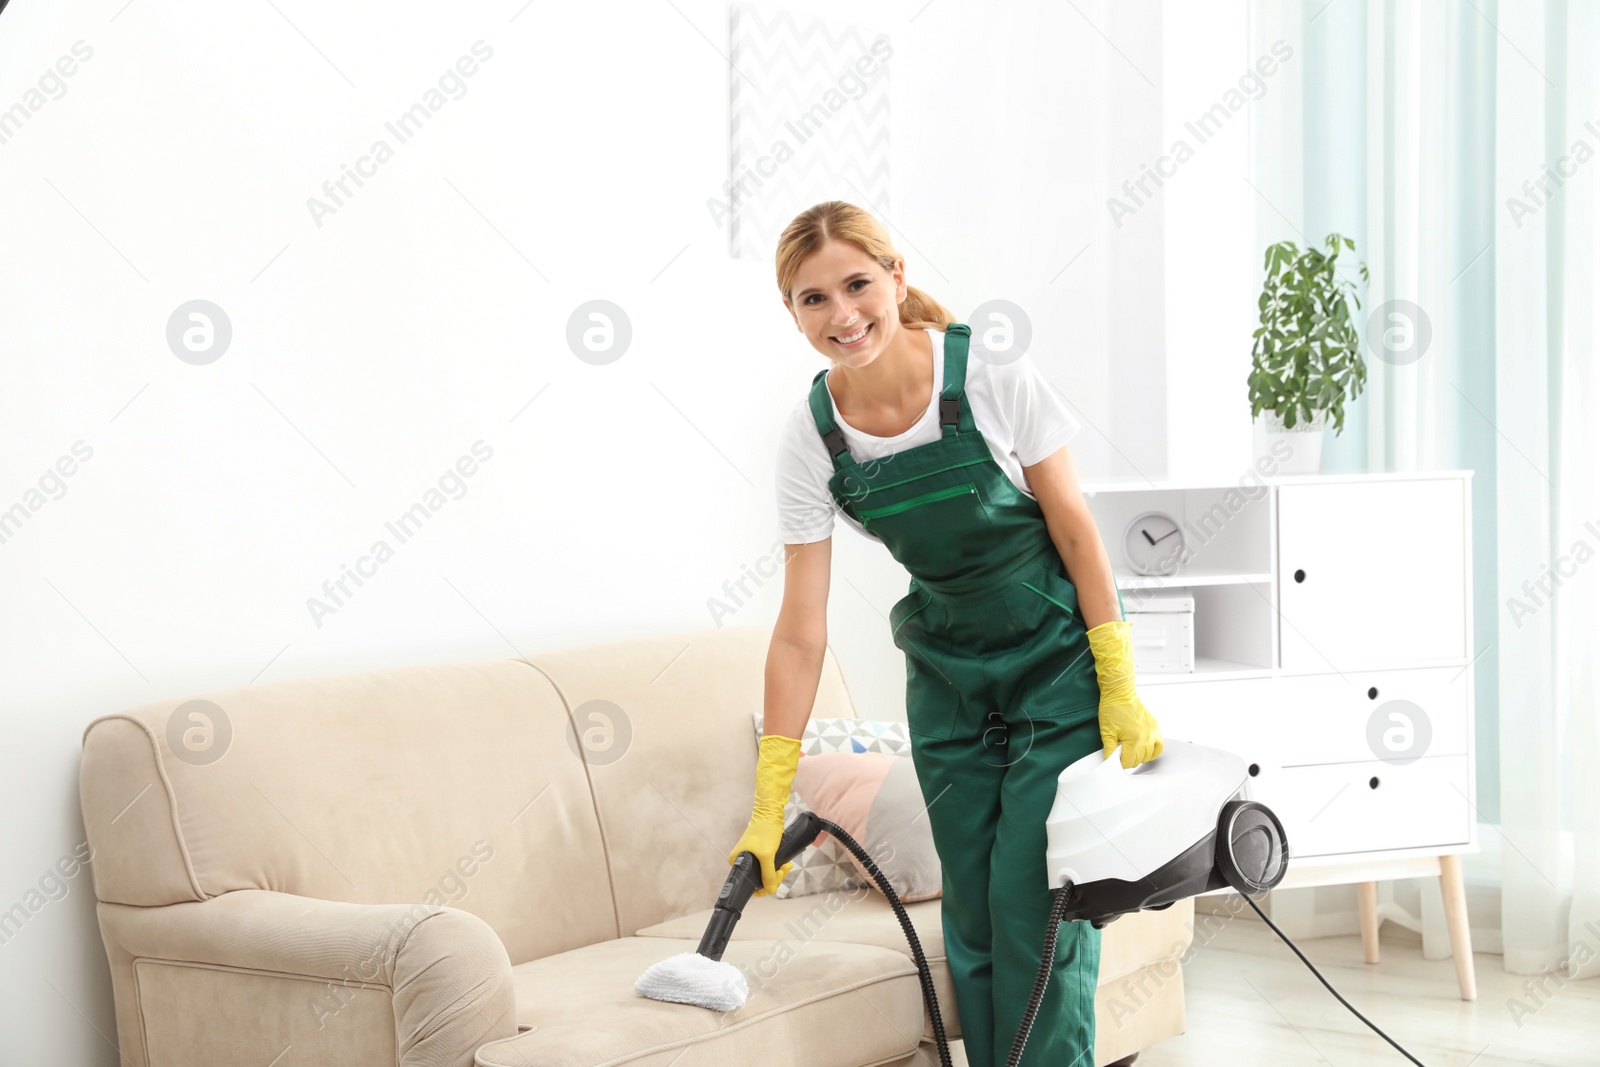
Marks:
<point>949,410</point>
<point>834,439</point>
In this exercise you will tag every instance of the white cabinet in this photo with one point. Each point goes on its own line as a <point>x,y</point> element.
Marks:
<point>1332,647</point>
<point>1330,631</point>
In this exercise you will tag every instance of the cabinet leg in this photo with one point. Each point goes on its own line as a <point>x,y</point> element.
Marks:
<point>1454,892</point>
<point>1367,900</point>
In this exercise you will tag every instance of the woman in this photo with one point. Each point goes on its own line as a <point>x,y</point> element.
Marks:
<point>1018,660</point>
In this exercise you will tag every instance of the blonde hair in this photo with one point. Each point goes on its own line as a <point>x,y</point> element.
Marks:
<point>812,228</point>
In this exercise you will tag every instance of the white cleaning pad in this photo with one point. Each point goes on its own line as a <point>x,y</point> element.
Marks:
<point>690,978</point>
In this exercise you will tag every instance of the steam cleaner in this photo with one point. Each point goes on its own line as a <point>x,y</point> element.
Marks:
<point>1118,840</point>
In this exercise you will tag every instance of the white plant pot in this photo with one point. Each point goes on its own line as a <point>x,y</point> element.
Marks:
<point>1297,450</point>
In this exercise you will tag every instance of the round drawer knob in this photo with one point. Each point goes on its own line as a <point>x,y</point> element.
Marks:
<point>1299,575</point>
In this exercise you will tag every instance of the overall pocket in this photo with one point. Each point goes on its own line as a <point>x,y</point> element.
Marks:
<point>931,700</point>
<point>913,602</point>
<point>932,703</point>
<point>1060,669</point>
<point>935,533</point>
<point>1055,588</point>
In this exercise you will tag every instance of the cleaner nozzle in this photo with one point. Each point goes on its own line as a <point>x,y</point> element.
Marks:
<point>700,977</point>
<point>745,879</point>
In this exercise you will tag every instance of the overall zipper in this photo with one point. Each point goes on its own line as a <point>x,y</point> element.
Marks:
<point>936,470</point>
<point>925,498</point>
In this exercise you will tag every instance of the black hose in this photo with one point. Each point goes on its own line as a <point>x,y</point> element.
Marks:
<point>1046,965</point>
<point>929,998</point>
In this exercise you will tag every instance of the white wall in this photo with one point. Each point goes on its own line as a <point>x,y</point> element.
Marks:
<point>1215,89</point>
<point>429,313</point>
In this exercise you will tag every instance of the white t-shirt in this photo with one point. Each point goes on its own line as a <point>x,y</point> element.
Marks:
<point>1020,415</point>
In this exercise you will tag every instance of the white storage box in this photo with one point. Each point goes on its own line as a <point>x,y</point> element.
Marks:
<point>1162,633</point>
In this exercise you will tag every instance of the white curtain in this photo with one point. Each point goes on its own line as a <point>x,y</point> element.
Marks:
<point>1547,114</point>
<point>1435,135</point>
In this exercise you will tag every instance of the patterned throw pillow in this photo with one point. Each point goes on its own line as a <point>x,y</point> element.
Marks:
<point>829,866</point>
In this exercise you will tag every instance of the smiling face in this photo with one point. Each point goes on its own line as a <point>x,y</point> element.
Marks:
<point>846,304</point>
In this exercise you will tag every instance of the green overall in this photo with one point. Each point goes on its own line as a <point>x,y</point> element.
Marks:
<point>1001,696</point>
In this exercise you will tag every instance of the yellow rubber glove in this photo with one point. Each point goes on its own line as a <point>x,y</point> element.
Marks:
<point>774,773</point>
<point>1123,717</point>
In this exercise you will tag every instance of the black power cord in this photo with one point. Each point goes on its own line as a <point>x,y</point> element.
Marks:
<point>1047,958</point>
<point>1324,981</point>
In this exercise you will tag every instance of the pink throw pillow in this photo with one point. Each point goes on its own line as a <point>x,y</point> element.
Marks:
<point>876,799</point>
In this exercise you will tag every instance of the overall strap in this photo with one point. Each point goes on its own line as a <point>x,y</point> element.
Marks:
<point>955,416</point>
<point>822,414</point>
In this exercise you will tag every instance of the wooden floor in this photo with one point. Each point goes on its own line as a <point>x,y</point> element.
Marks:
<point>1251,1001</point>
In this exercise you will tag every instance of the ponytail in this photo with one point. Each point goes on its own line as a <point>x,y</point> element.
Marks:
<point>919,311</point>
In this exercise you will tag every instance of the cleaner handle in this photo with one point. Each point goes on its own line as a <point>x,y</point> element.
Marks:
<point>798,837</point>
<point>745,879</point>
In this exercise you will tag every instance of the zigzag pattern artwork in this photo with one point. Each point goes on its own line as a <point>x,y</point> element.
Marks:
<point>809,122</point>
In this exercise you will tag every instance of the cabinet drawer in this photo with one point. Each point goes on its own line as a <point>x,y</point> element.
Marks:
<point>1336,808</point>
<point>1234,714</point>
<point>1387,715</point>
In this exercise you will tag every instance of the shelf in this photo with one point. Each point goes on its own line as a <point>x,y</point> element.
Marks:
<point>1193,576</point>
<point>1208,668</point>
<point>1228,566</point>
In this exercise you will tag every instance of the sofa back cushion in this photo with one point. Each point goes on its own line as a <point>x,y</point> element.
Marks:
<point>454,784</point>
<point>671,754</point>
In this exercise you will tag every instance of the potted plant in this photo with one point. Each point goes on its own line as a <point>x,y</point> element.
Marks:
<point>1307,355</point>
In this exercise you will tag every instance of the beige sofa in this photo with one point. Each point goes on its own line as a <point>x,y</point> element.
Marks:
<point>416,866</point>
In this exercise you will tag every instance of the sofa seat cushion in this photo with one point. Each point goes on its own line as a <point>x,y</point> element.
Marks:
<point>856,915</point>
<point>824,1003</point>
<point>1127,944</point>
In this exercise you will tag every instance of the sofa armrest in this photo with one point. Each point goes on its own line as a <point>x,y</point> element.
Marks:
<point>445,972</point>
